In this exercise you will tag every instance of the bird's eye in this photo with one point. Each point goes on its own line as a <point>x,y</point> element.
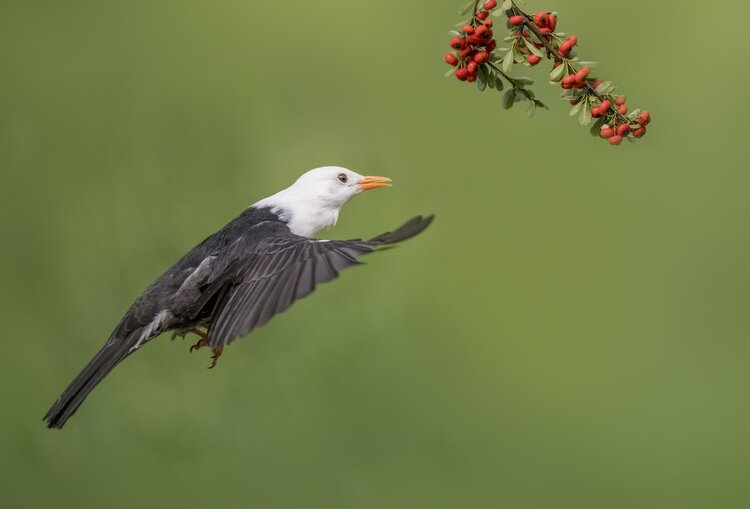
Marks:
<point>343,178</point>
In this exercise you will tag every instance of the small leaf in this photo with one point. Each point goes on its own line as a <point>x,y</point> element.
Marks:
<point>533,49</point>
<point>588,63</point>
<point>604,87</point>
<point>508,61</point>
<point>585,117</point>
<point>509,98</point>
<point>498,83</point>
<point>484,74</point>
<point>481,84</point>
<point>523,80</point>
<point>507,4</point>
<point>557,73</point>
<point>531,109</point>
<point>466,8</point>
<point>449,72</point>
<point>576,109</point>
<point>596,127</point>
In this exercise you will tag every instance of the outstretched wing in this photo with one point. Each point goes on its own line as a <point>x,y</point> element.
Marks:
<point>265,277</point>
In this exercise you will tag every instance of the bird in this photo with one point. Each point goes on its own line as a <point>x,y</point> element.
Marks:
<point>238,278</point>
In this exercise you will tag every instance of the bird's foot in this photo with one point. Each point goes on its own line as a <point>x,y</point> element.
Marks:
<point>215,357</point>
<point>181,333</point>
<point>200,344</point>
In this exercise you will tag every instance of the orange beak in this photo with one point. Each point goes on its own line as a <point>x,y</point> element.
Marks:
<point>368,183</point>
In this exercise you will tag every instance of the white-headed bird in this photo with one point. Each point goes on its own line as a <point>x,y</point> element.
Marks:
<point>241,276</point>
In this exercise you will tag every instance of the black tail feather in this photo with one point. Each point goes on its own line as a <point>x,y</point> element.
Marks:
<point>103,362</point>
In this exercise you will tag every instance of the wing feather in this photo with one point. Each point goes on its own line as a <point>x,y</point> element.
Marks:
<point>266,276</point>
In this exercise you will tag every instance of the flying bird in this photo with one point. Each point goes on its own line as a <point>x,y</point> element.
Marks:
<point>241,276</point>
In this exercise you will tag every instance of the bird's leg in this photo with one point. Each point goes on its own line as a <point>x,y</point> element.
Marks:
<point>181,333</point>
<point>215,357</point>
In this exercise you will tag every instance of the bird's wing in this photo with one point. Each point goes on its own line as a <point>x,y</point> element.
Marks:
<point>268,277</point>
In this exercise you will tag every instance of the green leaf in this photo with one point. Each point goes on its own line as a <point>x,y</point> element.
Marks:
<point>585,117</point>
<point>605,88</point>
<point>484,75</point>
<point>509,98</point>
<point>536,51</point>
<point>498,83</point>
<point>576,109</point>
<point>466,8</point>
<point>523,80</point>
<point>531,109</point>
<point>557,73</point>
<point>507,4</point>
<point>596,127</point>
<point>591,64</point>
<point>449,72</point>
<point>508,61</point>
<point>481,84</point>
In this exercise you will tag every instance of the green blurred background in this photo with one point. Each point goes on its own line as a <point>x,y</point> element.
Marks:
<point>571,333</point>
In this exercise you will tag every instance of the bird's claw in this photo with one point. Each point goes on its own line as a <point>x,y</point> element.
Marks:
<point>200,344</point>
<point>215,357</point>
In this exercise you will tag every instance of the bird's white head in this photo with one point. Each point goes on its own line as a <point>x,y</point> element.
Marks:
<point>313,202</point>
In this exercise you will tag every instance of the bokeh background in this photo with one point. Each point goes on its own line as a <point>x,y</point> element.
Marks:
<point>571,333</point>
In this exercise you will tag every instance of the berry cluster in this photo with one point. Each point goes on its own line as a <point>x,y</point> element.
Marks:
<point>533,38</point>
<point>474,46</point>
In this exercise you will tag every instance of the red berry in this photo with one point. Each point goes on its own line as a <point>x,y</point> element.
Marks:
<point>623,129</point>
<point>573,40</point>
<point>605,105</point>
<point>533,59</point>
<point>573,102</point>
<point>488,23</point>
<point>481,57</point>
<point>645,118</point>
<point>639,132</point>
<point>622,109</point>
<point>482,15</point>
<point>467,51</point>
<point>615,140</point>
<point>556,64</point>
<point>606,132</point>
<point>597,82</point>
<point>471,78</point>
<point>490,4</point>
<point>472,67</point>
<point>457,42</point>
<point>481,31</point>
<point>581,74</point>
<point>596,112</point>
<point>473,40</point>
<point>545,30</point>
<point>491,46</point>
<point>516,20</point>
<point>461,73</point>
<point>620,100</point>
<point>467,29</point>
<point>552,22</point>
<point>451,59</point>
<point>541,19</point>
<point>565,47</point>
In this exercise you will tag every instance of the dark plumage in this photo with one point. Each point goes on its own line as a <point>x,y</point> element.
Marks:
<point>235,280</point>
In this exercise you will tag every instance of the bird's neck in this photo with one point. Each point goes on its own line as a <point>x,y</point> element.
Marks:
<point>305,216</point>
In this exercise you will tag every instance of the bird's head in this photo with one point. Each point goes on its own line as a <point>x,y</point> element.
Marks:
<point>313,202</point>
<point>333,185</point>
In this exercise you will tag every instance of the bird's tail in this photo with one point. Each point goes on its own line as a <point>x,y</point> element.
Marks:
<point>103,362</point>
